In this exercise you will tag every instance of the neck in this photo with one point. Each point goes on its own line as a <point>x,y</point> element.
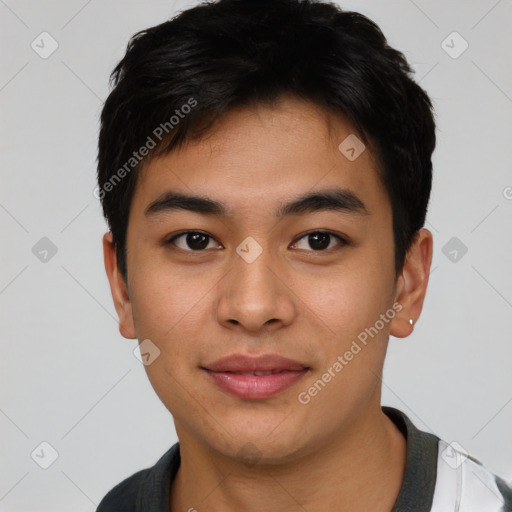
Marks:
<point>360,470</point>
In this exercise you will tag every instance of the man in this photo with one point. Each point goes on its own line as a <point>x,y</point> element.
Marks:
<point>265,170</point>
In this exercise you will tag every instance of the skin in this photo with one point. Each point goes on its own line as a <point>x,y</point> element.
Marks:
<point>339,451</point>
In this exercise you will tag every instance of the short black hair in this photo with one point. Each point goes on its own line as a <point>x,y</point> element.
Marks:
<point>177,78</point>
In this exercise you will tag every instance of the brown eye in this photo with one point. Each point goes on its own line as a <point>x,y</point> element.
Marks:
<point>191,241</point>
<point>318,241</point>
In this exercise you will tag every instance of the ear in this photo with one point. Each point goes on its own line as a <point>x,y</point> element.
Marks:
<point>411,285</point>
<point>118,288</point>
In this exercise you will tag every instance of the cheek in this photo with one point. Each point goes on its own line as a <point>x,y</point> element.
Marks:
<point>168,309</point>
<point>353,347</point>
<point>349,300</point>
<point>166,302</point>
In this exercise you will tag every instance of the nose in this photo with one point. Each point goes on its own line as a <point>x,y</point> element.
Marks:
<point>256,295</point>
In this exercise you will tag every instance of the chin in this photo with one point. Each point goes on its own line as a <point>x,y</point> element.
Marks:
<point>262,445</point>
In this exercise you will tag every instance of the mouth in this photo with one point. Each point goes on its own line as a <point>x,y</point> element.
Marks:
<point>255,378</point>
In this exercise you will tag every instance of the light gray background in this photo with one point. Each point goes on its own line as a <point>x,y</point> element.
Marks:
<point>67,375</point>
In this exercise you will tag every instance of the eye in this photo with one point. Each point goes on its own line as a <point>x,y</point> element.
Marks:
<point>318,241</point>
<point>192,241</point>
<point>196,241</point>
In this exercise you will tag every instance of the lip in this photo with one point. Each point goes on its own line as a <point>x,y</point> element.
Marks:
<point>243,363</point>
<point>236,375</point>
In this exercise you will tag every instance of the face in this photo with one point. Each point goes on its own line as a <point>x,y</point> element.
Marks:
<point>261,270</point>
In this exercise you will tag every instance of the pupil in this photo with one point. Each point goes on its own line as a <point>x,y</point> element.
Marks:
<point>314,238</point>
<point>194,241</point>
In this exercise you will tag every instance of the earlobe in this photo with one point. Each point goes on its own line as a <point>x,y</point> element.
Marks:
<point>118,289</point>
<point>412,284</point>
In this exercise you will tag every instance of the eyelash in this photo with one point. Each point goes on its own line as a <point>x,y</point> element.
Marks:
<point>342,240</point>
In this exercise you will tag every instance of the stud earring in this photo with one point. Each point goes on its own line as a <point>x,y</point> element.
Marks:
<point>411,321</point>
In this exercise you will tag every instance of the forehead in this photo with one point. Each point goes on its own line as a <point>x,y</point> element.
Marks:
<point>265,153</point>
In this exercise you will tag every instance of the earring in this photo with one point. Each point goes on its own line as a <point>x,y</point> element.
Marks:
<point>411,321</point>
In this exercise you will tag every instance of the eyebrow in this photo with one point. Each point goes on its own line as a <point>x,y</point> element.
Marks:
<point>331,199</point>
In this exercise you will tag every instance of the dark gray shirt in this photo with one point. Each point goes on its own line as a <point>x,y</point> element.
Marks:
<point>438,478</point>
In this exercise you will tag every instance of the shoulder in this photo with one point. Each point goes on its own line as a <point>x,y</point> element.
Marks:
<point>441,477</point>
<point>465,484</point>
<point>150,486</point>
<point>124,495</point>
